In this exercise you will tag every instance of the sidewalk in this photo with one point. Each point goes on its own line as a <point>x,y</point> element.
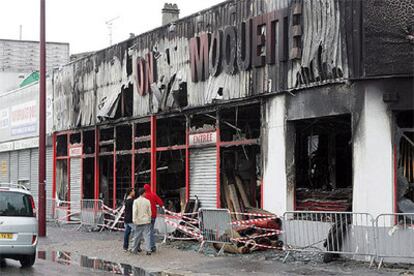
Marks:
<point>182,258</point>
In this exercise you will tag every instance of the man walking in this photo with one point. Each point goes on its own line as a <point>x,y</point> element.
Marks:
<point>128,216</point>
<point>154,200</point>
<point>141,217</point>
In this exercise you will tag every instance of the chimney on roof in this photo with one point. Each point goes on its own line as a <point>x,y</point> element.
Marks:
<point>170,13</point>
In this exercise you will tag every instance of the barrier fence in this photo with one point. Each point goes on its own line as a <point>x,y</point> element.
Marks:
<point>62,213</point>
<point>92,213</point>
<point>388,237</point>
<point>395,237</point>
<point>330,232</point>
<point>215,227</point>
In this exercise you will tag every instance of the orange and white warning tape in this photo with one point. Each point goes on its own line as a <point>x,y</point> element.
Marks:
<point>275,233</point>
<point>253,214</point>
<point>184,229</point>
<point>182,216</point>
<point>254,244</point>
<point>252,221</point>
<point>266,229</point>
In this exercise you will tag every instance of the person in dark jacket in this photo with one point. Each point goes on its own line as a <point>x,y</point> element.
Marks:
<point>128,216</point>
<point>154,200</point>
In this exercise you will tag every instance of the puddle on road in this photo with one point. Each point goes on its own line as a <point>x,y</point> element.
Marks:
<point>67,258</point>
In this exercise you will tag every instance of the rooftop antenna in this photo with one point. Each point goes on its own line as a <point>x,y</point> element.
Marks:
<point>20,32</point>
<point>109,25</point>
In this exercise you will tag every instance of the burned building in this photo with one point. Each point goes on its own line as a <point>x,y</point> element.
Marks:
<point>281,105</point>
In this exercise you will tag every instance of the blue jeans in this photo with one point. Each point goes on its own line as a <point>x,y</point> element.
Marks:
<point>127,233</point>
<point>152,234</point>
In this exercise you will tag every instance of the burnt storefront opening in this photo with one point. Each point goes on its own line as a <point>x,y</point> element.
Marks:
<point>142,144</point>
<point>88,168</point>
<point>106,165</point>
<point>106,179</point>
<point>171,143</point>
<point>62,177</point>
<point>405,160</point>
<point>123,155</point>
<point>323,163</point>
<point>62,145</point>
<point>240,157</point>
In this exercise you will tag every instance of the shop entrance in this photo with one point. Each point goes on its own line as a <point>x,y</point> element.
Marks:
<point>323,163</point>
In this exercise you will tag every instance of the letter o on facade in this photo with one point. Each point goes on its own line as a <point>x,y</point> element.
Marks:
<point>215,54</point>
<point>229,46</point>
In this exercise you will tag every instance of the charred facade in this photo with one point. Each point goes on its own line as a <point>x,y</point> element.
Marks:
<point>250,104</point>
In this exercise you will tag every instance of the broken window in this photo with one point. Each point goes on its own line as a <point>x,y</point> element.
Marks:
<point>323,164</point>
<point>240,123</point>
<point>240,129</point>
<point>171,136</point>
<point>89,141</point>
<point>75,138</point>
<point>62,145</point>
<point>88,175</point>
<point>123,176</point>
<point>405,160</point>
<point>106,180</point>
<point>62,180</point>
<point>142,154</point>
<point>106,140</point>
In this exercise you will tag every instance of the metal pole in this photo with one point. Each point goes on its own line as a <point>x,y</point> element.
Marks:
<point>42,124</point>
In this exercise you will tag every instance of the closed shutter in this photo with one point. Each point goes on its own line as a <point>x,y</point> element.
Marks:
<point>14,167</point>
<point>75,183</point>
<point>34,179</point>
<point>203,176</point>
<point>49,181</point>
<point>24,165</point>
<point>4,167</point>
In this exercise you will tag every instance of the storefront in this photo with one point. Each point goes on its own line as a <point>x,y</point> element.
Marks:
<point>19,154</point>
<point>278,105</point>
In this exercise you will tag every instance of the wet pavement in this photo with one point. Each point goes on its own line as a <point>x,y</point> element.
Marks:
<point>44,267</point>
<point>101,253</point>
<point>65,263</point>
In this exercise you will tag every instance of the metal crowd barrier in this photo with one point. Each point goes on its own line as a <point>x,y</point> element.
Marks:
<point>215,227</point>
<point>395,237</point>
<point>91,213</point>
<point>332,233</point>
<point>63,214</point>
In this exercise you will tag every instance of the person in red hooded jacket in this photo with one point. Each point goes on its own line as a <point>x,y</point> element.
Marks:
<point>154,200</point>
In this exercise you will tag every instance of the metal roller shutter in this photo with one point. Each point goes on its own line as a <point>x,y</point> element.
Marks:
<point>49,180</point>
<point>14,167</point>
<point>24,165</point>
<point>75,183</point>
<point>4,167</point>
<point>203,176</point>
<point>34,179</point>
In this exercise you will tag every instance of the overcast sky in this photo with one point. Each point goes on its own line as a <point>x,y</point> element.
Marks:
<point>82,22</point>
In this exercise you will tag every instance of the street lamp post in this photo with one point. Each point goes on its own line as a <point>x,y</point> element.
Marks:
<point>42,124</point>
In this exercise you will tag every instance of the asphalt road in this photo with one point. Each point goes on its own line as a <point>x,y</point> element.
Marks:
<point>46,268</point>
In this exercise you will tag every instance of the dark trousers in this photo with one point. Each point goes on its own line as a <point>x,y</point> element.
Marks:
<point>126,235</point>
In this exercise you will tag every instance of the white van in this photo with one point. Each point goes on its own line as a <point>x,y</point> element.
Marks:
<point>18,224</point>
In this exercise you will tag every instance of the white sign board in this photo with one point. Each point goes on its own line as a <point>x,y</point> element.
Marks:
<point>24,118</point>
<point>26,143</point>
<point>75,150</point>
<point>205,138</point>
